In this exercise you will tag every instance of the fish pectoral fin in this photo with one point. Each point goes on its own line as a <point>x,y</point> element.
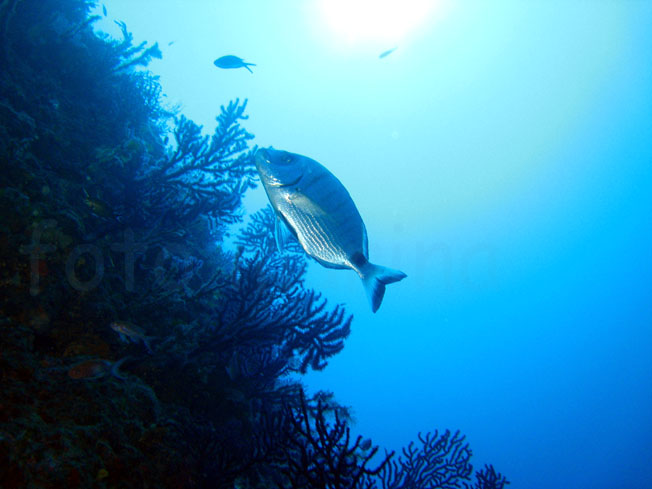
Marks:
<point>375,278</point>
<point>282,234</point>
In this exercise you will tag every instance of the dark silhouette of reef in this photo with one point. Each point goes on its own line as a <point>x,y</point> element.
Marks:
<point>108,216</point>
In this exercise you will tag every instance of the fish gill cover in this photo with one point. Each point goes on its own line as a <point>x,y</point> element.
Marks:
<point>112,231</point>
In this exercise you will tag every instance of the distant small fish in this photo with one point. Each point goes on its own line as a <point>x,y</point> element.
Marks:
<point>95,369</point>
<point>230,61</point>
<point>104,10</point>
<point>130,332</point>
<point>314,206</point>
<point>384,54</point>
<point>171,43</point>
<point>97,206</point>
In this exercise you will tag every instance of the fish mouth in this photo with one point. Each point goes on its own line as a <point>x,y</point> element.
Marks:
<point>290,184</point>
<point>265,165</point>
<point>263,157</point>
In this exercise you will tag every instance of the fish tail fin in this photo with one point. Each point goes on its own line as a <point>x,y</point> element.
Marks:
<point>375,278</point>
<point>247,65</point>
<point>115,369</point>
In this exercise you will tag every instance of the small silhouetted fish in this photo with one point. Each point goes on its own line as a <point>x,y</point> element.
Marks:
<point>387,53</point>
<point>316,208</point>
<point>104,10</point>
<point>229,62</point>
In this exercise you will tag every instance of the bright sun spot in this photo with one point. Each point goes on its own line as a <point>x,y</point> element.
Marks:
<point>381,21</point>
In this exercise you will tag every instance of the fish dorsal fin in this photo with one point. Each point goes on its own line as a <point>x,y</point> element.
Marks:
<point>282,234</point>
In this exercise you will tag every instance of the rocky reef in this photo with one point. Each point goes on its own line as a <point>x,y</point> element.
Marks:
<point>136,349</point>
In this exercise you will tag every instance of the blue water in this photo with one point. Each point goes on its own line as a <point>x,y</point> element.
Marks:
<point>502,158</point>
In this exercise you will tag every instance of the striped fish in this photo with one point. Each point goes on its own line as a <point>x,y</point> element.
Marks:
<point>315,207</point>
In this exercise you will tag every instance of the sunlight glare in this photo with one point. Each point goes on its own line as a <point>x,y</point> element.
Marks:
<point>385,21</point>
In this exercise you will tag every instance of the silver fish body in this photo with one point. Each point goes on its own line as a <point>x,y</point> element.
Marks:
<point>318,210</point>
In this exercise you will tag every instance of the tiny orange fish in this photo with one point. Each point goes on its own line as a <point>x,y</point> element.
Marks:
<point>95,369</point>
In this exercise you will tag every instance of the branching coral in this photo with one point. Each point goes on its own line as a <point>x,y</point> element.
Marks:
<point>323,454</point>
<point>488,478</point>
<point>205,175</point>
<point>442,462</point>
<point>134,55</point>
<point>267,302</point>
